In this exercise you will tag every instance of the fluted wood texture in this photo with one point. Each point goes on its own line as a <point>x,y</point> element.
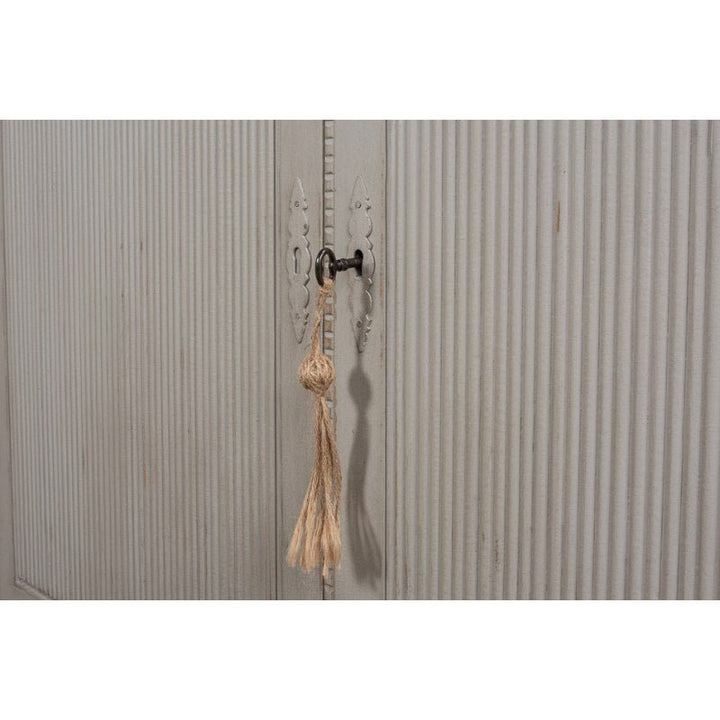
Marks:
<point>141,320</point>
<point>553,354</point>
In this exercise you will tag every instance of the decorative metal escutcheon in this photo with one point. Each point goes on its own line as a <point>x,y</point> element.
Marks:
<point>298,260</point>
<point>360,228</point>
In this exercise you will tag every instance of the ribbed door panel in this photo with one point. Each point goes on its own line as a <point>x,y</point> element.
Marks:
<point>553,375</point>
<point>141,321</point>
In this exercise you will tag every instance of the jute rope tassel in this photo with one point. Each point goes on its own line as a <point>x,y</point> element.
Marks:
<point>316,538</point>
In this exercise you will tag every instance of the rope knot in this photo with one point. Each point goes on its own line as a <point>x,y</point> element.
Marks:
<point>316,373</point>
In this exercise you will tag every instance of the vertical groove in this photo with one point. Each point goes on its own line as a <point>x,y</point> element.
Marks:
<point>624,389</point>
<point>511,589</point>
<point>395,290</point>
<point>421,371</point>
<point>659,351</point>
<point>710,487</point>
<point>472,421</point>
<point>458,228</point>
<point>575,221</point>
<point>486,230</point>
<point>449,519</point>
<point>527,391</point>
<point>641,283</point>
<point>590,344</point>
<point>558,358</point>
<point>412,575</point>
<point>435,537</point>
<point>693,378</point>
<point>606,351</point>
<point>677,310</point>
<point>543,344</point>
<point>500,341</point>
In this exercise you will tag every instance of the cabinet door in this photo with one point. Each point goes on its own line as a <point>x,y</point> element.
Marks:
<point>141,342</point>
<point>553,359</point>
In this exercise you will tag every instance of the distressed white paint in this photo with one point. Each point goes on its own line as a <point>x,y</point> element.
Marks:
<point>547,321</point>
<point>553,359</point>
<point>141,336</point>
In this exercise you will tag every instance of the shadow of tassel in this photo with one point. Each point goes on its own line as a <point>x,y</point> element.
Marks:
<point>364,548</point>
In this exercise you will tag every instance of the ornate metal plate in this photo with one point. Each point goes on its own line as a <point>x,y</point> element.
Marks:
<point>298,260</point>
<point>360,229</point>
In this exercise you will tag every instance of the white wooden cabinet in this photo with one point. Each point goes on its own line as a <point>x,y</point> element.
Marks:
<point>535,412</point>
